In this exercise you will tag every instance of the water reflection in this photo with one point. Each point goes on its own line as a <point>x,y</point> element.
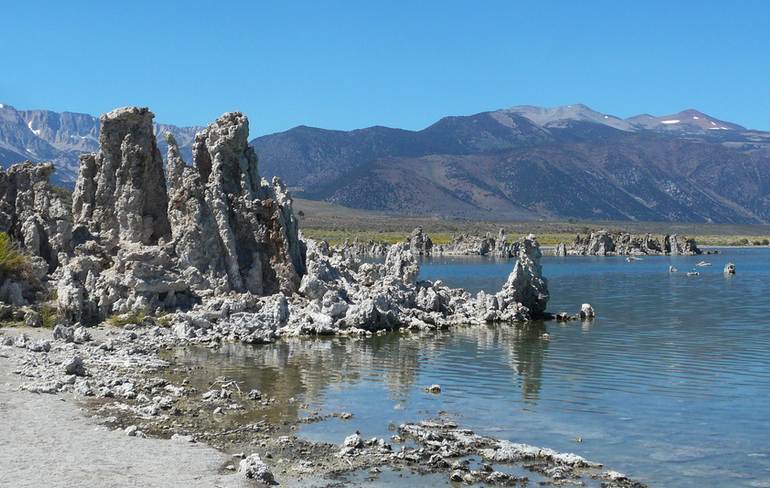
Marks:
<point>305,369</point>
<point>671,382</point>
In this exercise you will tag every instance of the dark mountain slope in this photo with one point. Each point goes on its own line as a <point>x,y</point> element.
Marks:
<point>531,162</point>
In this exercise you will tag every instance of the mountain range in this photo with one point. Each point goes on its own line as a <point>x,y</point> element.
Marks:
<point>61,137</point>
<point>530,162</point>
<point>523,162</point>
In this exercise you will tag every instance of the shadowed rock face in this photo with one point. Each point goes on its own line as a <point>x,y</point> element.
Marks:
<point>248,227</point>
<point>33,214</point>
<point>120,194</point>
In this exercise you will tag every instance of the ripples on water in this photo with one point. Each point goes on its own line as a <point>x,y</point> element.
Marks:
<point>671,383</point>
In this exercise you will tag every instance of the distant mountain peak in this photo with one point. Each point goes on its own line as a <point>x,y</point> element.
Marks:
<point>561,116</point>
<point>688,120</point>
<point>61,137</point>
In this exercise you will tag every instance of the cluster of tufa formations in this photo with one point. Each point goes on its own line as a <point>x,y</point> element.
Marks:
<point>217,249</point>
<point>420,243</point>
<point>604,243</point>
<point>142,241</point>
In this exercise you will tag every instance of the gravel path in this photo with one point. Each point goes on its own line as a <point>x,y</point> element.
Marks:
<point>46,441</point>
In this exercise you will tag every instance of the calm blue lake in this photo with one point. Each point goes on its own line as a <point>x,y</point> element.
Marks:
<point>670,384</point>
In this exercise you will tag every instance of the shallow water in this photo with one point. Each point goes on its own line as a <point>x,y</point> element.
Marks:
<point>670,384</point>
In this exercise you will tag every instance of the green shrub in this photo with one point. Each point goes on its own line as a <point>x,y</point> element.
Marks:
<point>133,317</point>
<point>50,315</point>
<point>163,320</point>
<point>12,262</point>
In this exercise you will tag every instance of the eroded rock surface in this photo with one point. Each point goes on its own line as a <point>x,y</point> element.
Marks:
<point>120,195</point>
<point>604,243</point>
<point>342,295</point>
<point>237,230</point>
<point>34,214</point>
<point>138,246</point>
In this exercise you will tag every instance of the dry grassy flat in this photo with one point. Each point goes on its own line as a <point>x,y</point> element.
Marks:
<point>335,223</point>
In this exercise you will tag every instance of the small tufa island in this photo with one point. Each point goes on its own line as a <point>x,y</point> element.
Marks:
<point>598,243</point>
<point>211,252</point>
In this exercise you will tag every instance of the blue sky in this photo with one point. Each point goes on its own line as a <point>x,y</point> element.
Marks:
<point>351,64</point>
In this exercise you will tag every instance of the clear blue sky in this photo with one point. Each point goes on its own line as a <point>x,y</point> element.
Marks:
<point>351,64</point>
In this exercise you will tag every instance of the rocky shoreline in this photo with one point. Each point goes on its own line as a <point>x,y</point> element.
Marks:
<point>118,372</point>
<point>147,259</point>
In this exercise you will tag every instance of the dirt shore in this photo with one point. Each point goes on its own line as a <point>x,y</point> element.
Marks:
<point>48,441</point>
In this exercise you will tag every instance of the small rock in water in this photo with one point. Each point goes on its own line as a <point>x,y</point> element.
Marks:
<point>546,336</point>
<point>346,415</point>
<point>456,476</point>
<point>433,389</point>
<point>587,311</point>
<point>353,440</point>
<point>729,268</point>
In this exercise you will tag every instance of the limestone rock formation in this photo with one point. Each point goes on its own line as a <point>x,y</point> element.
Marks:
<point>400,263</point>
<point>343,295</point>
<point>219,227</point>
<point>561,250</point>
<point>419,243</point>
<point>596,244</point>
<point>473,245</point>
<point>676,245</point>
<point>120,195</point>
<point>526,284</point>
<point>468,245</point>
<point>228,223</point>
<point>370,248</point>
<point>604,243</point>
<point>34,214</point>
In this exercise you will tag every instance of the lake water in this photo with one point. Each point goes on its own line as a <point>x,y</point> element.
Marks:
<point>670,384</point>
